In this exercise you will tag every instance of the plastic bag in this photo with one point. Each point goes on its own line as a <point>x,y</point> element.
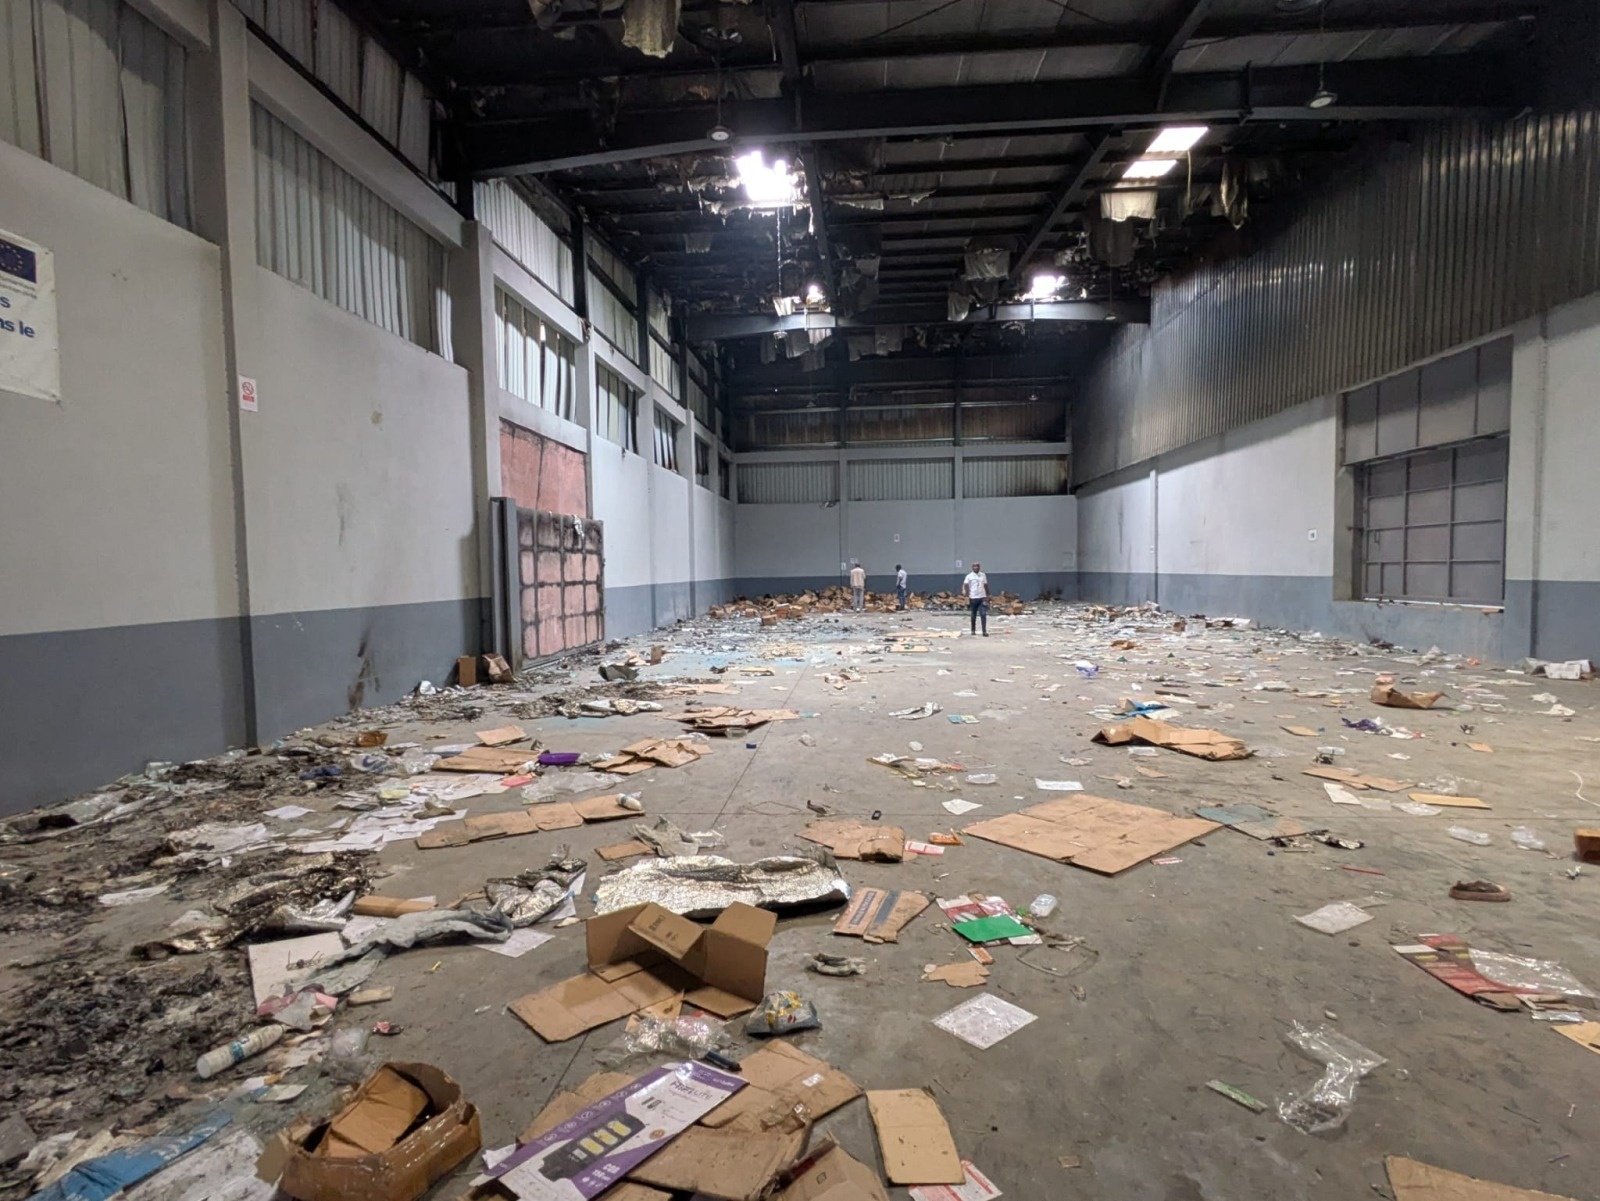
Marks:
<point>782,1013</point>
<point>983,778</point>
<point>1326,1104</point>
<point>548,787</point>
<point>682,1037</point>
<point>1527,839</point>
<point>1475,837</point>
<point>1532,975</point>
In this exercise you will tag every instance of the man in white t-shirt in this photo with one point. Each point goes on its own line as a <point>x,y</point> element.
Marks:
<point>900,586</point>
<point>976,589</point>
<point>858,588</point>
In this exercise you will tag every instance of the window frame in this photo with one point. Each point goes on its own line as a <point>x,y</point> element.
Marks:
<point>666,429</point>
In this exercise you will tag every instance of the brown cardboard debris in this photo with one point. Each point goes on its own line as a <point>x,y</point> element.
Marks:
<point>1354,779</point>
<point>879,914</point>
<point>786,1090</point>
<point>644,955</point>
<point>372,738</point>
<point>376,906</point>
<point>1483,748</point>
<point>722,719</point>
<point>859,840</point>
<point>702,690</point>
<point>370,996</point>
<point>1448,802</point>
<point>1092,832</point>
<point>1150,773</point>
<point>501,735</point>
<point>487,759</point>
<point>1586,842</point>
<point>565,1104</point>
<point>1585,1034</point>
<point>830,1174</point>
<point>914,1138</point>
<point>406,1127</point>
<point>559,815</point>
<point>1300,731</point>
<point>1413,1181</point>
<point>732,1165</point>
<point>497,669</point>
<point>649,753</point>
<point>467,670</point>
<point>1388,694</point>
<point>969,974</point>
<point>625,850</point>
<point>1204,744</point>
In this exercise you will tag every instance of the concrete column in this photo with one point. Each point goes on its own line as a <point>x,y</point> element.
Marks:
<point>471,282</point>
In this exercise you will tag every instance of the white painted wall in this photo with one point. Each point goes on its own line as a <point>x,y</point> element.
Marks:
<point>713,535</point>
<point>1019,534</point>
<point>927,538</point>
<point>775,541</point>
<point>117,503</point>
<point>1564,457</point>
<point>358,467</point>
<point>1247,502</point>
<point>1116,525</point>
<point>622,500</point>
<point>667,516</point>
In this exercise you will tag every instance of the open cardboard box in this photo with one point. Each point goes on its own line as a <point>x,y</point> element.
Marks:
<point>407,1127</point>
<point>643,955</point>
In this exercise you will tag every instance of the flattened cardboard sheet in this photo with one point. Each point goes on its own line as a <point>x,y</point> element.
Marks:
<point>1092,832</point>
<point>914,1137</point>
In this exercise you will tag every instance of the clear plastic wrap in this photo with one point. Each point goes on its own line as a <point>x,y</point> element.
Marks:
<point>1529,975</point>
<point>1327,1103</point>
<point>683,1037</point>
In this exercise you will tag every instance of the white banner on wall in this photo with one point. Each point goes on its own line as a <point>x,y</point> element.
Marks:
<point>30,346</point>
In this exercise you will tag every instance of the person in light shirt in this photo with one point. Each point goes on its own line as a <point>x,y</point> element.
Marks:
<point>976,589</point>
<point>858,588</point>
<point>900,586</point>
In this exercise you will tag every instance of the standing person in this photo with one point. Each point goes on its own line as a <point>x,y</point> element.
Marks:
<point>976,589</point>
<point>900,586</point>
<point>858,587</point>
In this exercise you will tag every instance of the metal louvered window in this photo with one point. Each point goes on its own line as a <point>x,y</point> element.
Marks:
<point>536,361</point>
<point>525,234</point>
<point>666,440</point>
<point>98,90</point>
<point>789,483</point>
<point>317,225</point>
<point>1433,524</point>
<point>617,405</point>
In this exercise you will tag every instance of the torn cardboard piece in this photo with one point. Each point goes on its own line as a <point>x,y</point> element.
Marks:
<point>1092,832</point>
<point>488,759</point>
<point>786,1090</point>
<point>1585,1034</point>
<point>879,914</point>
<point>407,1127</point>
<point>831,1174</point>
<point>1388,694</point>
<point>645,954</point>
<point>914,1138</point>
<point>730,1165</point>
<point>1203,744</point>
<point>625,850</point>
<point>616,1136</point>
<point>858,840</point>
<point>967,974</point>
<point>562,815</point>
<point>721,719</point>
<point>1413,1181</point>
<point>1448,802</point>
<point>1250,818</point>
<point>501,735</point>
<point>650,753</point>
<point>1354,779</point>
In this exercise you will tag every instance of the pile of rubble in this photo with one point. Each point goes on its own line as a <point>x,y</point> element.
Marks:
<point>773,607</point>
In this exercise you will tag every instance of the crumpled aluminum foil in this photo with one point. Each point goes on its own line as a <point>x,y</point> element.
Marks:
<point>521,904</point>
<point>705,885</point>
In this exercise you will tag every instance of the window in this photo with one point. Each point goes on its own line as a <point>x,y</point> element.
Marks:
<point>702,462</point>
<point>725,478</point>
<point>318,225</point>
<point>618,407</point>
<point>96,89</point>
<point>536,361</point>
<point>666,440</point>
<point>1433,524</point>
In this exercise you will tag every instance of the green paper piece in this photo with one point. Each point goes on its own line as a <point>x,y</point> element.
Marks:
<point>1237,1094</point>
<point>989,929</point>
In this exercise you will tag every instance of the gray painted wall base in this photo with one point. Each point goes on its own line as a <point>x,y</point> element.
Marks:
<point>316,665</point>
<point>644,607</point>
<point>81,707</point>
<point>1029,585</point>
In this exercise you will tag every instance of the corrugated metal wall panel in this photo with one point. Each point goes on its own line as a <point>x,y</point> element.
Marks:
<point>786,431</point>
<point>380,91</point>
<point>525,236</point>
<point>288,22</point>
<point>19,91</point>
<point>903,479</point>
<point>908,425</point>
<point>612,318</point>
<point>1021,422</point>
<point>416,123</point>
<point>1461,232</point>
<point>1014,475</point>
<point>338,54</point>
<point>788,483</point>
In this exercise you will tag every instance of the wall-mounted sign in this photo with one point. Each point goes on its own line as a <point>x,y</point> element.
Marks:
<point>30,346</point>
<point>247,395</point>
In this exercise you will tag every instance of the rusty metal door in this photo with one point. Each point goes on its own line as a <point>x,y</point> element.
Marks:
<point>560,582</point>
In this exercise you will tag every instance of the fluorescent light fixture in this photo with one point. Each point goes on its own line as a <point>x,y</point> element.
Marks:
<point>814,294</point>
<point>773,187</point>
<point>1149,168</point>
<point>1176,139</point>
<point>1045,287</point>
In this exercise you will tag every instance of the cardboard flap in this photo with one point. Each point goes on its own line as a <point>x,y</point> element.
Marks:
<point>782,1078</point>
<point>834,1175</point>
<point>566,1104</point>
<point>747,923</point>
<point>729,1165</point>
<point>666,931</point>
<point>1413,1181</point>
<point>384,1109</point>
<point>734,964</point>
<point>567,1009</point>
<point>610,940</point>
<point>715,1000</point>
<point>914,1138</point>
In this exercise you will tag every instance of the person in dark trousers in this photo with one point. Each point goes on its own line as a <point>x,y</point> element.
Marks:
<point>900,586</point>
<point>976,589</point>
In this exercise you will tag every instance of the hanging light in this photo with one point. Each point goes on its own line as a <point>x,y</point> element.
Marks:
<point>1322,97</point>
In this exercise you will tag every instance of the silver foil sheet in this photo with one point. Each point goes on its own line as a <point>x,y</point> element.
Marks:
<point>705,885</point>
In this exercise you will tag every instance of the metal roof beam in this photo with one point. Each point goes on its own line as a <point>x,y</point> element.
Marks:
<point>1369,90</point>
<point>717,327</point>
<point>1076,182</point>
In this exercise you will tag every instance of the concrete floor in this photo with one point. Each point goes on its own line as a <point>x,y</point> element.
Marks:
<point>1199,968</point>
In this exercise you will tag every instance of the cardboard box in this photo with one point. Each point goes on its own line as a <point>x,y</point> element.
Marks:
<point>644,955</point>
<point>1203,744</point>
<point>467,670</point>
<point>374,1149</point>
<point>497,669</point>
<point>914,1137</point>
<point>831,1174</point>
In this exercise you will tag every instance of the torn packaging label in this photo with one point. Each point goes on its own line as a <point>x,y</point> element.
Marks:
<point>858,840</point>
<point>879,914</point>
<point>644,955</point>
<point>592,1151</point>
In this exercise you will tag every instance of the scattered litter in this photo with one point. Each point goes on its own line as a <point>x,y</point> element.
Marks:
<point>966,974</point>
<point>1476,837</point>
<point>1335,918</point>
<point>701,885</point>
<point>926,709</point>
<point>879,914</point>
<point>1479,890</point>
<point>914,1138</point>
<point>1389,695</point>
<point>1525,838</point>
<point>958,806</point>
<point>835,965</point>
<point>1058,785</point>
<point>1327,1103</point>
<point>984,1020</point>
<point>975,1187</point>
<point>103,1176</point>
<point>782,1013</point>
<point>1237,1095</point>
<point>1203,744</point>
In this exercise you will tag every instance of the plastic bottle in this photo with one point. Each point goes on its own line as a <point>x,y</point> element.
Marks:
<point>240,1049</point>
<point>1043,905</point>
